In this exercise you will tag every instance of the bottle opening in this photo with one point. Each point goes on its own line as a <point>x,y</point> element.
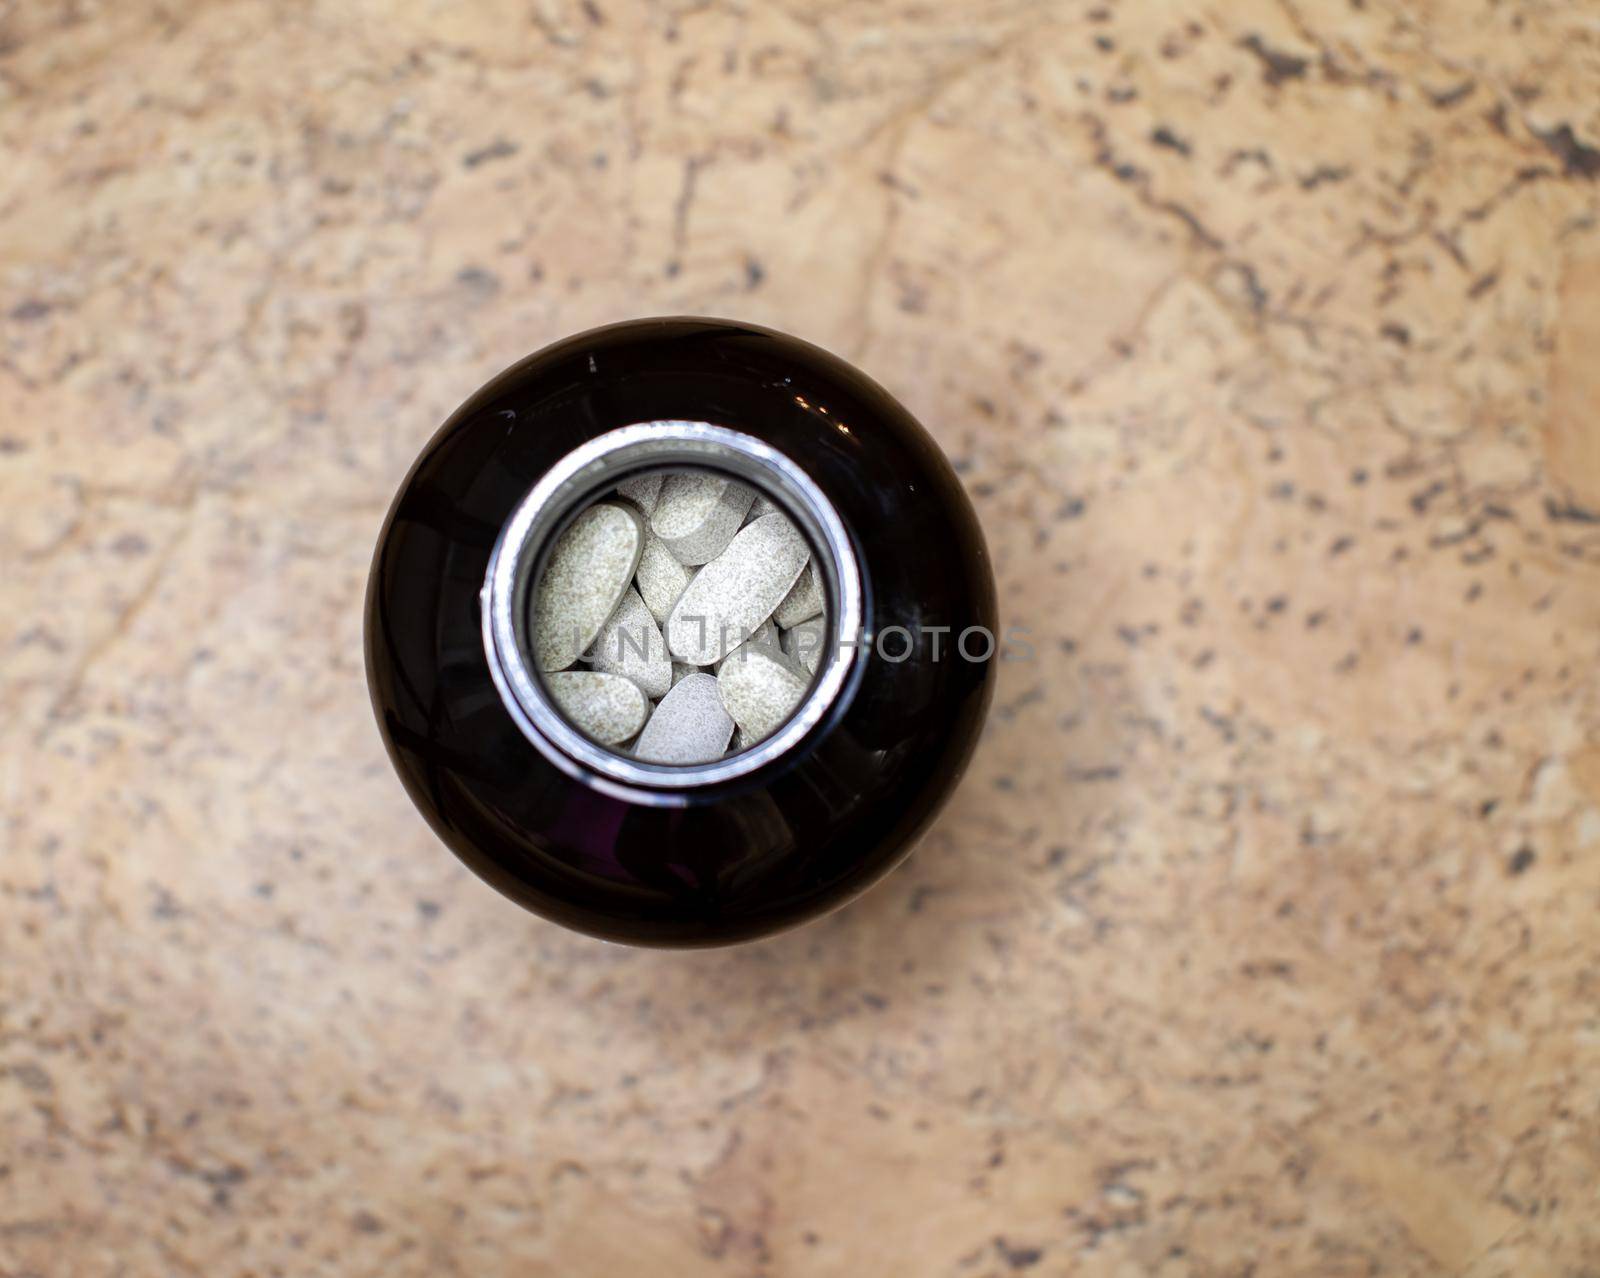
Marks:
<point>674,604</point>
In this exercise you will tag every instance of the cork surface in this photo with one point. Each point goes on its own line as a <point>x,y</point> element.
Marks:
<point>1261,937</point>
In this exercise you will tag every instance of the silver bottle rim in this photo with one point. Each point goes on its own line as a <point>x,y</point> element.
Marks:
<point>584,474</point>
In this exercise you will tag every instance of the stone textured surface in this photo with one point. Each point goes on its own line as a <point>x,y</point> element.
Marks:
<point>1261,936</point>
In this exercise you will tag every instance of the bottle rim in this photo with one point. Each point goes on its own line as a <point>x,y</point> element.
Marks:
<point>569,487</point>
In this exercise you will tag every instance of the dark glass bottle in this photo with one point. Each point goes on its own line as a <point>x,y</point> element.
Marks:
<point>587,836</point>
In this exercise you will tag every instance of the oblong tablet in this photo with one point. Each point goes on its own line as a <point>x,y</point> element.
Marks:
<point>697,515</point>
<point>766,634</point>
<point>803,602</point>
<point>643,492</point>
<point>688,726</point>
<point>630,644</point>
<point>608,707</point>
<point>589,568</point>
<point>803,644</point>
<point>659,577</point>
<point>736,591</point>
<point>760,688</point>
<point>759,507</point>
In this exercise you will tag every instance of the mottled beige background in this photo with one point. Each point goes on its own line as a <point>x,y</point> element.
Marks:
<point>1262,937</point>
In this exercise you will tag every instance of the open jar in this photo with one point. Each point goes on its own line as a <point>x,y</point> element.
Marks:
<point>517,547</point>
